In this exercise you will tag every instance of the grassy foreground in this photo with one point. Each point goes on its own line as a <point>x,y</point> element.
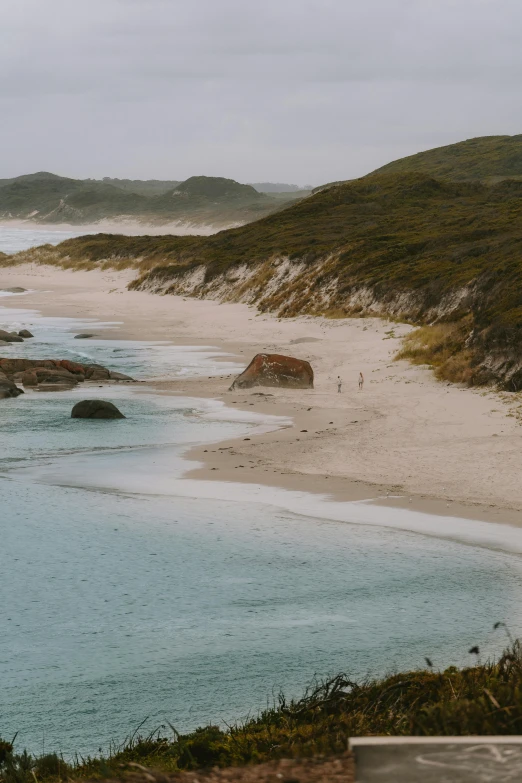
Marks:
<point>482,699</point>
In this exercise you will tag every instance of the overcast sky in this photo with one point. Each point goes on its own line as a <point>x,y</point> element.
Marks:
<point>304,91</point>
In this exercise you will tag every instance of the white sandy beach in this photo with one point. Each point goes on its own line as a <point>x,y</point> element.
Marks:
<point>126,226</point>
<point>443,448</point>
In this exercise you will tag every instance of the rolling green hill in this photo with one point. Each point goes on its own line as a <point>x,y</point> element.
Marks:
<point>147,187</point>
<point>58,199</point>
<point>216,188</point>
<point>483,158</point>
<point>213,201</point>
<point>403,245</point>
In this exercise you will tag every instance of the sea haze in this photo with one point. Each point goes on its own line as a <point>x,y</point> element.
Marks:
<point>13,239</point>
<point>120,604</point>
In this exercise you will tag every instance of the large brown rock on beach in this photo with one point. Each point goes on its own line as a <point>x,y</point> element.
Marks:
<point>96,409</point>
<point>272,369</point>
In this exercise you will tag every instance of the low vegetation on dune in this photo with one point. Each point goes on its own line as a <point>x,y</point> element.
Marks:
<point>486,158</point>
<point>407,246</point>
<point>443,347</point>
<point>485,699</point>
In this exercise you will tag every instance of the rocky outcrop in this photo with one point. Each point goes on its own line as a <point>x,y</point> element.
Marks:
<point>272,369</point>
<point>25,333</point>
<point>10,337</point>
<point>55,373</point>
<point>96,409</point>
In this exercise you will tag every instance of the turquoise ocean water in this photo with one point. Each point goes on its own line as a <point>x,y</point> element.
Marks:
<point>128,592</point>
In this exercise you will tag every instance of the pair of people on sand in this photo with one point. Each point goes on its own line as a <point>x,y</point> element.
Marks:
<point>340,383</point>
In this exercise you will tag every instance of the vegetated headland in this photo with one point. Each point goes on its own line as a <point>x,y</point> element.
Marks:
<point>211,201</point>
<point>438,252</point>
<point>484,699</point>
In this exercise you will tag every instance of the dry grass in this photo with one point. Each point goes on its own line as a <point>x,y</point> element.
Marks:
<point>443,347</point>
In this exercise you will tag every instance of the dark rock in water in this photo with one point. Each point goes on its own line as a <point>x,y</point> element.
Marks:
<point>96,409</point>
<point>9,337</point>
<point>272,369</point>
<point>66,370</point>
<point>25,333</point>
<point>15,290</point>
<point>8,388</point>
<point>82,336</point>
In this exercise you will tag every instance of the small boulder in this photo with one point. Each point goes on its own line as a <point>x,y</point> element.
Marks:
<point>272,369</point>
<point>25,333</point>
<point>82,336</point>
<point>96,409</point>
<point>9,337</point>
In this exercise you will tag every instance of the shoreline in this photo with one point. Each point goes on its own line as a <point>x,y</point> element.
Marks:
<point>127,227</point>
<point>277,459</point>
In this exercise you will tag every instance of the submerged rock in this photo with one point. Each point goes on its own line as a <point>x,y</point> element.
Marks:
<point>82,336</point>
<point>272,369</point>
<point>14,290</point>
<point>96,409</point>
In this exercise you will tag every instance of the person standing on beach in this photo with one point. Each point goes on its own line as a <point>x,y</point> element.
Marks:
<point>339,384</point>
<point>361,381</point>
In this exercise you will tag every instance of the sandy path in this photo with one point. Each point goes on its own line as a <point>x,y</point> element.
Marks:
<point>404,433</point>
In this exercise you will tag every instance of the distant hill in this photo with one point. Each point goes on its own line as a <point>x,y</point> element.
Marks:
<point>276,187</point>
<point>215,188</point>
<point>55,199</point>
<point>148,187</point>
<point>482,158</point>
<point>214,201</point>
<point>405,245</point>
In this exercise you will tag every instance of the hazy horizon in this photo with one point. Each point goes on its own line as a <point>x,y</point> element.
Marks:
<point>297,91</point>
